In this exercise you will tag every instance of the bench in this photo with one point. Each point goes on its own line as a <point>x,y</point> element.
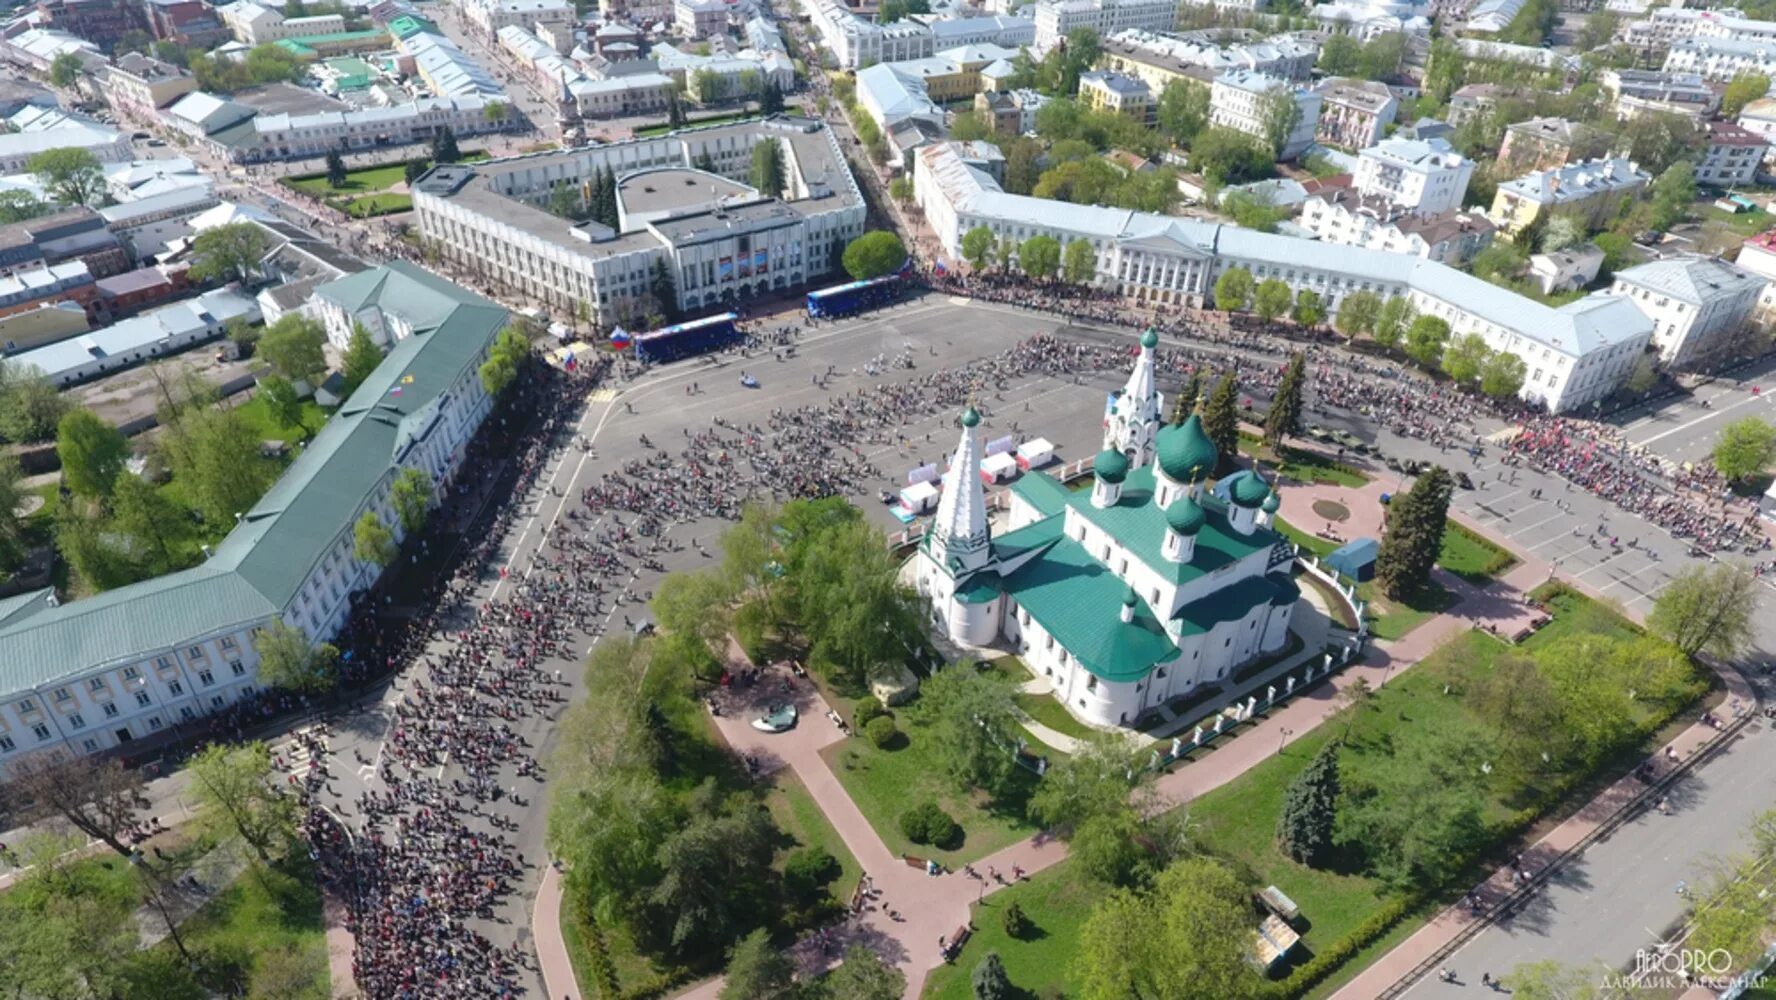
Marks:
<point>953,946</point>
<point>1279,903</point>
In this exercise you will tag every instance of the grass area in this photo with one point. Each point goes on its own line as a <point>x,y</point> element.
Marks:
<point>1390,619</point>
<point>654,130</point>
<point>1471,556</point>
<point>367,179</point>
<point>258,417</point>
<point>885,783</point>
<point>1300,464</point>
<point>272,912</point>
<point>633,968</point>
<point>379,204</point>
<point>1041,963</point>
<point>799,816</point>
<point>1744,223</point>
<point>1308,541</point>
<point>1051,713</point>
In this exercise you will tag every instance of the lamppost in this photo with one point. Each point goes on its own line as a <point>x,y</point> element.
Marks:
<point>1285,732</point>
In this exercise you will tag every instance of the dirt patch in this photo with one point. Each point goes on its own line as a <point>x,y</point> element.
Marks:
<point>1331,510</point>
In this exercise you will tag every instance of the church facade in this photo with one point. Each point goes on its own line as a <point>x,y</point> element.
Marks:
<point>1125,597</point>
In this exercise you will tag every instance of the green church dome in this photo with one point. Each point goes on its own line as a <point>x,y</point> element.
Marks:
<point>1110,466</point>
<point>1272,502</point>
<point>1186,454</point>
<point>970,417</point>
<point>1185,516</point>
<point>1149,339</point>
<point>1250,490</point>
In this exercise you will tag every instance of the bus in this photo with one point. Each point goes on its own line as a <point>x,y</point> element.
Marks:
<point>854,297</point>
<point>682,340</point>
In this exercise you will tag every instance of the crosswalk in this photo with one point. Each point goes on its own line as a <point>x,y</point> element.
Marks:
<point>295,753</point>
<point>601,395</point>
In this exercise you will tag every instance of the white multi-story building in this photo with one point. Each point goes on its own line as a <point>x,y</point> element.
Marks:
<point>1720,60</point>
<point>1758,256</point>
<point>723,241</point>
<point>134,663</point>
<point>726,76</point>
<point>1242,100</point>
<point>1574,354</point>
<point>1635,92</point>
<point>492,15</point>
<point>139,86</point>
<point>1354,114</point>
<point>1160,59</point>
<point>1341,215</point>
<point>1426,176</point>
<point>1730,156</point>
<point>700,18</point>
<point>1698,306</point>
<point>256,24</point>
<point>278,137</point>
<point>1055,18</point>
<point>1368,19</point>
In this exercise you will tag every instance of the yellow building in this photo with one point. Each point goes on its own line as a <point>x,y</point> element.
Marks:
<point>1591,191</point>
<point>1108,90</point>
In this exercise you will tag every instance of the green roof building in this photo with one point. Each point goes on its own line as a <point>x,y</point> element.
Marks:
<point>170,649</point>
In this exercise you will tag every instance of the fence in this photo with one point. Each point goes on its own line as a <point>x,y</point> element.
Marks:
<point>1333,579</point>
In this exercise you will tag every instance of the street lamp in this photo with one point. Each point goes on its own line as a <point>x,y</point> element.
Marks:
<point>1286,732</point>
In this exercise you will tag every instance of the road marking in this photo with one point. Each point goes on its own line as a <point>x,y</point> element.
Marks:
<point>1549,520</point>
<point>601,395</point>
<point>1710,415</point>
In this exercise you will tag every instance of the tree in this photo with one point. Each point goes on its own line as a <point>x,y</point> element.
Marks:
<point>1220,417</point>
<point>1022,166</point>
<point>1425,339</point>
<point>1464,359</point>
<point>92,453</point>
<point>664,288</point>
<point>1183,111</point>
<point>989,980</point>
<point>21,206</point>
<point>288,660</point>
<point>1416,815</point>
<point>95,795</point>
<point>1040,257</point>
<point>758,970</point>
<point>65,68</point>
<point>713,871</point>
<point>901,189</point>
<point>282,403</point>
<point>1707,609</point>
<point>1745,449</point>
<point>1671,194</point>
<point>874,254</point>
<point>977,247</point>
<point>294,347</point>
<point>1271,299</point>
<point>494,112</point>
<point>767,168</point>
<point>771,99</point>
<point>444,148</point>
<point>239,784</point>
<point>335,169</point>
<point>1745,88</point>
<point>31,407</point>
<point>412,493</point>
<point>360,359</point>
<point>1278,116</point>
<point>1092,781</point>
<point>1658,139</point>
<point>1501,377</point>
<point>675,116</point>
<point>1391,321</point>
<point>507,355</point>
<point>1284,418</point>
<point>864,976</point>
<point>1080,263</point>
<point>1339,55</point>
<point>1310,309</point>
<point>1644,375</point>
<point>1233,290</point>
<point>1357,314</point>
<point>372,542</point>
<point>155,522</point>
<point>1414,535</point>
<point>1549,980</point>
<point>12,527</point>
<point>973,727</point>
<point>228,252</point>
<point>69,174</point>
<point>216,454</point>
<point>1310,809</point>
<point>1188,937</point>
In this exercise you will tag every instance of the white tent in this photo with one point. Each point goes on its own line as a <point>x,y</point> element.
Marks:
<point>920,498</point>
<point>1035,453</point>
<point>998,468</point>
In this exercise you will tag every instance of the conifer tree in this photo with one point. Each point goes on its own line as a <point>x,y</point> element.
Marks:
<point>1220,418</point>
<point>1414,535</point>
<point>1310,807</point>
<point>1185,404</point>
<point>1284,418</point>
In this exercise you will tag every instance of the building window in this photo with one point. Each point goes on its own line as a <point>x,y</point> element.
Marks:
<point>27,706</point>
<point>206,678</point>
<point>7,745</point>
<point>176,688</point>
<point>143,700</point>
<point>154,721</point>
<point>228,642</point>
<point>131,673</point>
<point>40,731</point>
<point>90,746</point>
<point>238,668</point>
<point>96,684</point>
<point>61,695</point>
<point>110,710</point>
<point>195,653</point>
<point>216,701</point>
<point>77,721</point>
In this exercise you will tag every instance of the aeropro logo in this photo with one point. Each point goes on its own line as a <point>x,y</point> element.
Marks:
<point>1676,968</point>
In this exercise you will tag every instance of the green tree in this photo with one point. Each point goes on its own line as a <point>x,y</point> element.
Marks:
<point>228,252</point>
<point>989,981</point>
<point>1093,781</point>
<point>1707,609</point>
<point>1425,339</point>
<point>1233,290</point>
<point>1656,140</point>
<point>1284,417</point>
<point>1310,309</point>
<point>216,454</point>
<point>864,976</point>
<point>1416,813</point>
<point>767,168</point>
<point>282,403</point>
<point>1271,299</point>
<point>69,174</point>
<point>1745,88</point>
<point>1644,375</point>
<point>977,247</point>
<point>336,177</point>
<point>1549,980</point>
<point>1391,321</point>
<point>1501,377</point>
<point>1310,809</point>
<point>288,660</point>
<point>360,359</point>
<point>507,355</point>
<point>675,116</point>
<point>973,727</point>
<point>146,515</point>
<point>1183,111</point>
<point>270,63</point>
<point>850,602</point>
<point>1188,937</point>
<point>21,206</point>
<point>713,872</point>
<point>1220,417</point>
<point>758,970</point>
<point>30,405</point>
<point>294,346</point>
<point>1357,314</point>
<point>1278,116</point>
<point>1465,358</point>
<point>239,785</point>
<point>65,68</point>
<point>901,189</point>
<point>1745,448</point>
<point>1671,195</point>
<point>1339,55</point>
<point>1080,263</point>
<point>664,288</point>
<point>444,148</point>
<point>1414,535</point>
<point>1040,257</point>
<point>92,453</point>
<point>372,542</point>
<point>874,254</point>
<point>12,527</point>
<point>564,201</point>
<point>412,493</point>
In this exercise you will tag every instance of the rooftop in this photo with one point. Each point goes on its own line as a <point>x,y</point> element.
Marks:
<point>673,188</point>
<point>1690,278</point>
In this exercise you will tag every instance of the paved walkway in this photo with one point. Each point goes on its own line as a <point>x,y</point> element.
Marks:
<point>340,947</point>
<point>545,925</point>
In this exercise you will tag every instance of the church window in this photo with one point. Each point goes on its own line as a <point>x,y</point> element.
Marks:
<point>1160,673</point>
<point>1049,643</point>
<point>1228,643</point>
<point>1106,553</point>
<point>1155,600</point>
<point>1122,567</point>
<point>1091,683</point>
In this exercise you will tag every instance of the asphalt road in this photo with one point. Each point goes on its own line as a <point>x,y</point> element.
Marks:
<point>1684,428</point>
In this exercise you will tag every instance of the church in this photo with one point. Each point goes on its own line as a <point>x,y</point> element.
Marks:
<point>1129,595</point>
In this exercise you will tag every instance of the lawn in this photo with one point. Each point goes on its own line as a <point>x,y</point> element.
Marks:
<point>1390,619</point>
<point>256,416</point>
<point>274,911</point>
<point>377,204</point>
<point>1744,223</point>
<point>1057,901</point>
<point>1049,712</point>
<point>656,130</point>
<point>1471,556</point>
<point>885,783</point>
<point>799,816</point>
<point>1308,541</point>
<point>367,179</point>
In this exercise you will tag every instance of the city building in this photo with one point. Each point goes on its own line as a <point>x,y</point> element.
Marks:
<point>107,145</point>
<point>1339,214</point>
<point>1369,19</point>
<point>1011,112</point>
<point>35,48</point>
<point>1056,18</point>
<point>101,22</point>
<point>1145,590</point>
<point>1475,99</point>
<point>1719,60</point>
<point>891,93</point>
<point>700,18</point>
<point>1426,176</point>
<point>722,240</point>
<point>155,334</point>
<point>1759,118</point>
<point>1575,354</point>
<point>492,15</point>
<point>445,68</point>
<point>1589,190</point>
<point>1730,156</point>
<point>1635,92</point>
<point>71,234</point>
<point>139,86</point>
<point>1489,17</point>
<point>723,76</point>
<point>1118,93</point>
<point>256,24</point>
<point>1758,256</point>
<point>1160,59</point>
<point>1546,143</point>
<point>86,676</point>
<point>26,290</point>
<point>191,23</point>
<point>1354,114</point>
<point>1699,306</point>
<point>1532,56</point>
<point>1566,270</point>
<point>1245,101</point>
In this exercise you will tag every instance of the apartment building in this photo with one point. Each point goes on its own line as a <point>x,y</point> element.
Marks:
<point>1242,100</point>
<point>1056,18</point>
<point>1590,190</point>
<point>1117,93</point>
<point>139,86</point>
<point>1698,306</point>
<point>1546,143</point>
<point>1161,59</point>
<point>700,18</point>
<point>1341,215</point>
<point>1730,156</point>
<point>1758,256</point>
<point>1719,60</point>
<point>1423,176</point>
<point>1354,114</point>
<point>1635,92</point>
<point>255,24</point>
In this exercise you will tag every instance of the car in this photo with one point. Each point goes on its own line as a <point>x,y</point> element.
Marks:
<point>1462,480</point>
<point>777,719</point>
<point>140,135</point>
<point>157,142</point>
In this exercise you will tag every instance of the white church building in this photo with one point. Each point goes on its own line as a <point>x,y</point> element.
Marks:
<point>1125,597</point>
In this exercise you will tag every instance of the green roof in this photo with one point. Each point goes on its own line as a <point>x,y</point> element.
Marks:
<point>1137,523</point>
<point>1185,451</point>
<point>1079,602</point>
<point>1249,491</point>
<point>979,588</point>
<point>1111,466</point>
<point>1185,516</point>
<point>407,25</point>
<point>1043,492</point>
<point>1232,603</point>
<point>256,571</point>
<point>1013,545</point>
<point>296,48</point>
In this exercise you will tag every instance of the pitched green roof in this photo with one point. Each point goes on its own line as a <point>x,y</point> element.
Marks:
<point>1012,545</point>
<point>1232,603</point>
<point>1137,523</point>
<point>1079,602</point>
<point>979,588</point>
<point>1043,492</point>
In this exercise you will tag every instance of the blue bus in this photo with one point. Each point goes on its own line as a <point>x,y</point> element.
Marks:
<point>682,340</point>
<point>854,297</point>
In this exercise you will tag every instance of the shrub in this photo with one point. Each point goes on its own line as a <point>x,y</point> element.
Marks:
<point>881,732</point>
<point>867,708</point>
<point>1312,972</point>
<point>1017,925</point>
<point>808,871</point>
<point>926,823</point>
